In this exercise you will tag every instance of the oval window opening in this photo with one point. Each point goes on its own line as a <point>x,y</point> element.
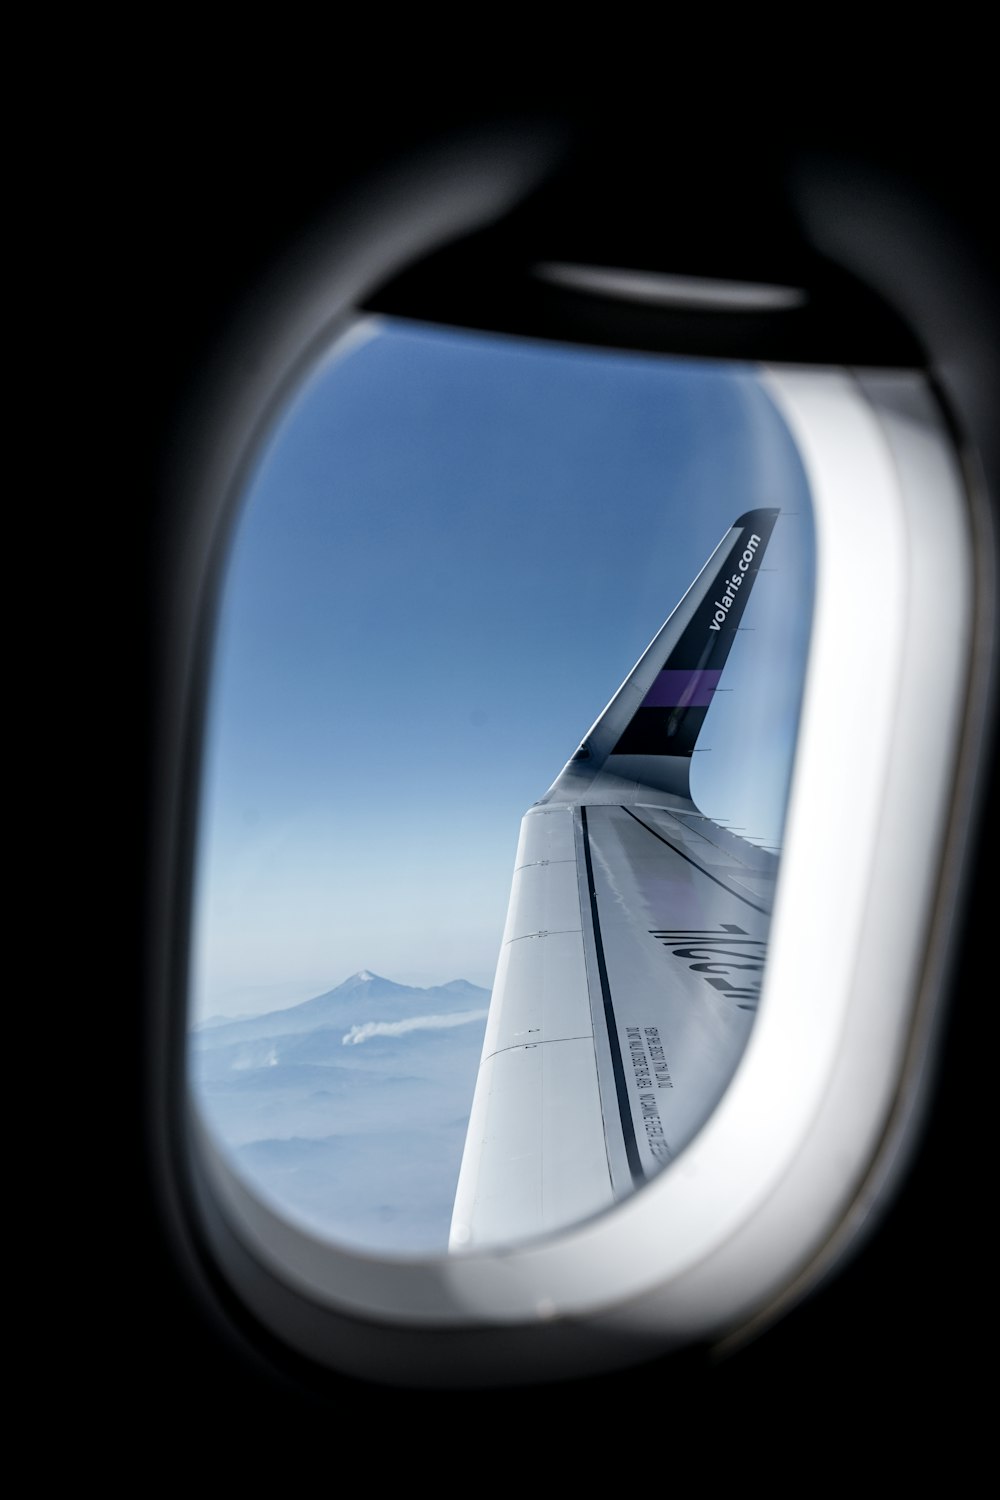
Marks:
<point>442,620</point>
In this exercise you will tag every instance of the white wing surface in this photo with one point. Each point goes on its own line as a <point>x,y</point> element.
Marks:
<point>631,959</point>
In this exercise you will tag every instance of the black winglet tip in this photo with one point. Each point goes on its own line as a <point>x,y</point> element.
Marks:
<point>757,517</point>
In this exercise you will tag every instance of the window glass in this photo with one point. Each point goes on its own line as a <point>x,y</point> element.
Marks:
<point>452,551</point>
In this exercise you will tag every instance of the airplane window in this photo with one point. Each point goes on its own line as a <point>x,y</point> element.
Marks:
<point>453,552</point>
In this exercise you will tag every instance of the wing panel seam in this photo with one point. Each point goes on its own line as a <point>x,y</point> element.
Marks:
<point>764,911</point>
<point>621,1090</point>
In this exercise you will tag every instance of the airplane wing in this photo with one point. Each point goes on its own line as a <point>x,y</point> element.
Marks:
<point>631,959</point>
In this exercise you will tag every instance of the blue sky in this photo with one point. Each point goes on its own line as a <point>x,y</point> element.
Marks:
<point>452,551</point>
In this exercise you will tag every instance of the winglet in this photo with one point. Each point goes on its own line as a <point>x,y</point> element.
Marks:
<point>649,730</point>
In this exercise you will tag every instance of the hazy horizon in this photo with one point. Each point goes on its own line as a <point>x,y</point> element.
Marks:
<point>267,1008</point>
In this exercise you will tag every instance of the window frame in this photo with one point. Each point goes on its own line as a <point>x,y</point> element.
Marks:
<point>372,1338</point>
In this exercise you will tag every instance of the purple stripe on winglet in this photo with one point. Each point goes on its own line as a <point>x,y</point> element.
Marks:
<point>680,689</point>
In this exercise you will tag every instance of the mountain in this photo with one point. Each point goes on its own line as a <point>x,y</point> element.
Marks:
<point>362,998</point>
<point>349,1111</point>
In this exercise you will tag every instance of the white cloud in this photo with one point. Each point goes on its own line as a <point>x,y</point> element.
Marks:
<point>412,1023</point>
